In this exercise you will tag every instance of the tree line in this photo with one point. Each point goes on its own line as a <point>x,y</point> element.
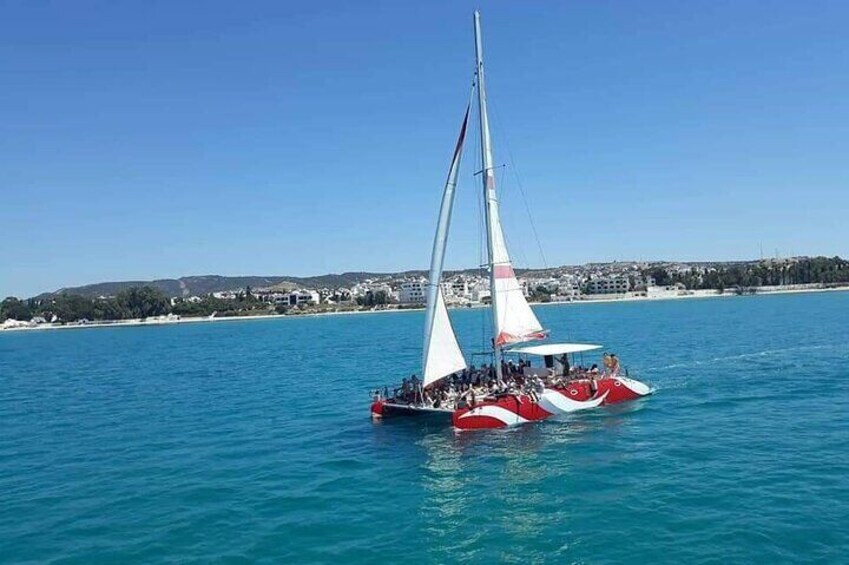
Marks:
<point>131,303</point>
<point>810,270</point>
<point>136,302</point>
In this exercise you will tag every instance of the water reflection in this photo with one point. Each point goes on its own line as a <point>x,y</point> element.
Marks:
<point>526,484</point>
<point>482,487</point>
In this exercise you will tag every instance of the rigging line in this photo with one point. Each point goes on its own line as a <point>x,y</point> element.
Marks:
<point>521,188</point>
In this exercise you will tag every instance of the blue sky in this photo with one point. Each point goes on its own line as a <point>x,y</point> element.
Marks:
<point>142,140</point>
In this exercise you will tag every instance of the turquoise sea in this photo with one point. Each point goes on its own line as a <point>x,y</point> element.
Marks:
<point>250,441</point>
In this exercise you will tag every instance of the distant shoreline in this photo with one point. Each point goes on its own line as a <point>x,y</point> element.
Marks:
<point>167,321</point>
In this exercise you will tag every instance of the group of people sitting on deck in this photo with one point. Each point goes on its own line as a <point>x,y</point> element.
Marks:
<point>467,387</point>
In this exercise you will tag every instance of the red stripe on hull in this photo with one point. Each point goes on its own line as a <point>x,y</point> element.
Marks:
<point>505,411</point>
<point>479,423</point>
<point>616,390</point>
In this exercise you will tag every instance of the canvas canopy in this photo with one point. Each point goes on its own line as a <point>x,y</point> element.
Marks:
<point>555,349</point>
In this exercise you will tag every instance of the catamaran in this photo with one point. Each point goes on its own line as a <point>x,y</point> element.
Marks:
<point>504,393</point>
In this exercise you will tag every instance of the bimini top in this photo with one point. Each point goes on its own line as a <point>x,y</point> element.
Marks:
<point>554,348</point>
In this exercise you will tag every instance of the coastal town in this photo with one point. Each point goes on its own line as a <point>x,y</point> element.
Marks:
<point>134,303</point>
<point>593,281</point>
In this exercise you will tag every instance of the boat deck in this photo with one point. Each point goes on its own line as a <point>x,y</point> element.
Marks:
<point>411,409</point>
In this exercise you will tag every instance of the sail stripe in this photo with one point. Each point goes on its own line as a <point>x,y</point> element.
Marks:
<point>505,338</point>
<point>504,271</point>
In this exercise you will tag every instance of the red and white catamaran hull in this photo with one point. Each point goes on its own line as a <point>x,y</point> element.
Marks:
<point>512,410</point>
<point>505,411</point>
<point>609,389</point>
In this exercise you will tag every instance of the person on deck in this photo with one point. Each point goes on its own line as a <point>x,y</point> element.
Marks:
<point>536,389</point>
<point>607,363</point>
<point>592,375</point>
<point>614,365</point>
<point>414,389</point>
<point>564,363</point>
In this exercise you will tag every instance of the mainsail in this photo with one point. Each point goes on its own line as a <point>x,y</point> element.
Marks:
<point>513,320</point>
<point>442,355</point>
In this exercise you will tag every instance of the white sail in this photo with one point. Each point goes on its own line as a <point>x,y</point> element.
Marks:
<point>513,320</point>
<point>441,354</point>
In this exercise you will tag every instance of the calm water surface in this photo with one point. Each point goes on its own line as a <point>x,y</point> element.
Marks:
<point>247,442</point>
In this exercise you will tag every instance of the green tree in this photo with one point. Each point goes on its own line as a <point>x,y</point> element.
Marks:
<point>143,302</point>
<point>661,276</point>
<point>108,309</point>
<point>16,309</point>
<point>71,308</point>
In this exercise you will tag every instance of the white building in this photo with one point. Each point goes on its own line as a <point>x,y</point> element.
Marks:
<point>271,296</point>
<point>303,296</point>
<point>227,294</point>
<point>342,295</point>
<point>609,285</point>
<point>566,291</point>
<point>413,292</point>
<point>458,288</point>
<point>479,290</point>
<point>385,288</point>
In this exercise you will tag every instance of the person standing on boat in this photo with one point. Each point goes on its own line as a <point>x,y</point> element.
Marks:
<point>592,374</point>
<point>564,363</point>
<point>416,391</point>
<point>608,364</point>
<point>614,365</point>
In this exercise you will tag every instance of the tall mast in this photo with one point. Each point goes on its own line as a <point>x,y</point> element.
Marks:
<point>488,176</point>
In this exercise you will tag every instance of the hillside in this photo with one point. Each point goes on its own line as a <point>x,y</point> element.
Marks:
<point>204,284</point>
<point>200,285</point>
